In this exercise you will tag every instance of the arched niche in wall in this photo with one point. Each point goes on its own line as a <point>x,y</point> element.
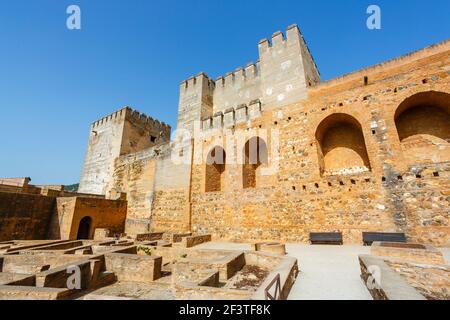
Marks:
<point>255,155</point>
<point>215,167</point>
<point>341,146</point>
<point>423,127</point>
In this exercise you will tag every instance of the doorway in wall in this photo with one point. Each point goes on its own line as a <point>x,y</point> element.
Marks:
<point>84,228</point>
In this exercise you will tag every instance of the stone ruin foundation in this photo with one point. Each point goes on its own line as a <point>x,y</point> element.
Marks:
<point>406,271</point>
<point>154,266</point>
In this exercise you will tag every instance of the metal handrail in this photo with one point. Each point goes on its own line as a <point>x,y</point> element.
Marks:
<point>277,282</point>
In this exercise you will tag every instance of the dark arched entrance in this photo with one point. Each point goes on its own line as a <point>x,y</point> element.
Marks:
<point>84,228</point>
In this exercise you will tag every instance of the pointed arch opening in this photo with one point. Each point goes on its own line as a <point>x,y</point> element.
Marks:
<point>215,168</point>
<point>341,146</point>
<point>255,156</point>
<point>423,127</point>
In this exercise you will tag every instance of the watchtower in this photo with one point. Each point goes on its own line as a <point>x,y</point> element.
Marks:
<point>122,132</point>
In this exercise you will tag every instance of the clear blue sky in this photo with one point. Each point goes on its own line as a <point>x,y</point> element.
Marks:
<point>55,82</point>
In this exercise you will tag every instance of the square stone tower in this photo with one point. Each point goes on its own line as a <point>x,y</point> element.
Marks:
<point>280,77</point>
<point>122,132</point>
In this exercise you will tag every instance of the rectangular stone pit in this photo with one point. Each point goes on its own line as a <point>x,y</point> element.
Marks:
<point>133,267</point>
<point>235,285</point>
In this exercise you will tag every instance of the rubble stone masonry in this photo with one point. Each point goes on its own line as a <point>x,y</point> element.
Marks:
<point>368,151</point>
<point>403,186</point>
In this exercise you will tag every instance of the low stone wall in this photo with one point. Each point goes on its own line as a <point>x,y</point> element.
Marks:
<point>149,236</point>
<point>15,279</point>
<point>227,262</point>
<point>133,267</point>
<point>274,247</point>
<point>407,251</point>
<point>187,291</point>
<point>32,293</point>
<point>15,246</point>
<point>57,277</point>
<point>286,267</point>
<point>175,237</point>
<point>391,286</point>
<point>432,281</point>
<point>101,234</point>
<point>32,264</point>
<point>195,274</point>
<point>193,241</point>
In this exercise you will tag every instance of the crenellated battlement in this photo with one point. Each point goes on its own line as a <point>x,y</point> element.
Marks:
<point>147,122</point>
<point>136,117</point>
<point>252,71</point>
<point>279,40</point>
<point>195,81</point>
<point>122,132</point>
<point>115,115</point>
<point>248,73</point>
<point>281,75</point>
<point>232,116</point>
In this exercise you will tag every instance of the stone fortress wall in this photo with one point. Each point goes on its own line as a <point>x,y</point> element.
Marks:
<point>368,151</point>
<point>343,163</point>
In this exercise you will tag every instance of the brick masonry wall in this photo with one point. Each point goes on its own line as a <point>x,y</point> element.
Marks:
<point>24,216</point>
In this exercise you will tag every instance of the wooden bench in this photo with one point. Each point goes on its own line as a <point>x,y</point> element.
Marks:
<point>370,237</point>
<point>326,238</point>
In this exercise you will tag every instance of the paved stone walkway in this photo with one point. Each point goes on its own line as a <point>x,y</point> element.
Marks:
<point>326,272</point>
